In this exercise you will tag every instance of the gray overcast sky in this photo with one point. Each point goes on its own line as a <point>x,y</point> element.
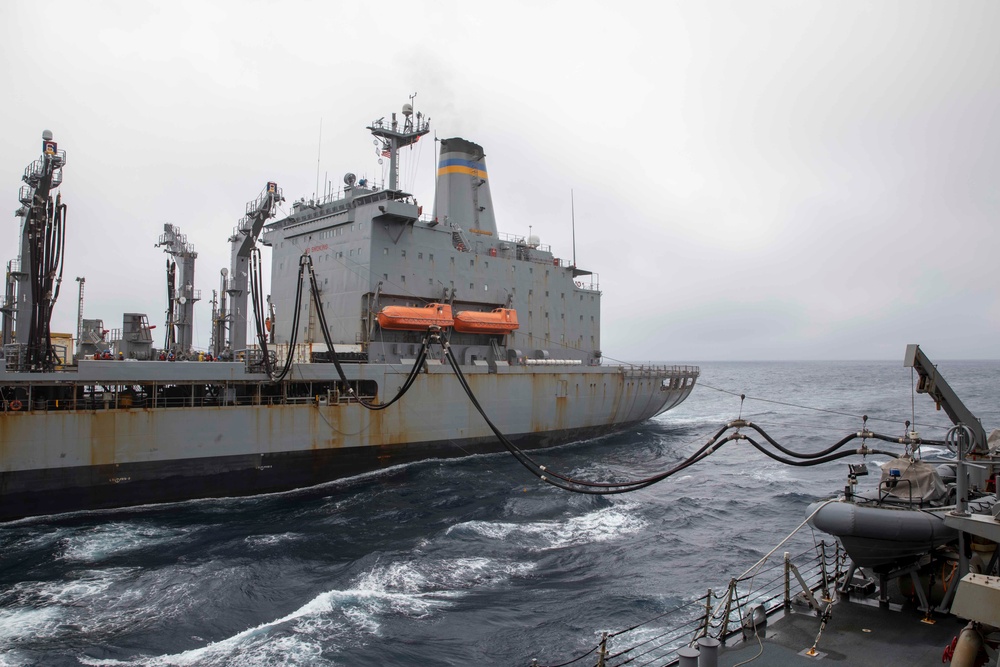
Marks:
<point>753,180</point>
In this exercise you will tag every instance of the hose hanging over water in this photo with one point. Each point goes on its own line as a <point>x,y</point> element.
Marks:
<point>568,483</point>
<point>546,475</point>
<point>714,443</point>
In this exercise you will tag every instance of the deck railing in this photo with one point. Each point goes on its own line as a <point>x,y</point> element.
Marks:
<point>808,578</point>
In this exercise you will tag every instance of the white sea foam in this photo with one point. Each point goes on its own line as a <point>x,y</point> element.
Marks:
<point>46,609</point>
<point>772,472</point>
<point>271,540</point>
<point>13,659</point>
<point>22,623</point>
<point>244,648</point>
<point>113,539</point>
<point>601,525</point>
<point>290,639</point>
<point>413,589</point>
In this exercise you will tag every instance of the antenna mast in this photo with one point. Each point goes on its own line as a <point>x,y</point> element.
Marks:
<point>393,137</point>
<point>79,311</point>
<point>572,215</point>
<point>319,152</point>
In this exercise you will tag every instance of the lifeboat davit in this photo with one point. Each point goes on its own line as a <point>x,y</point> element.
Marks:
<point>499,321</point>
<point>409,318</point>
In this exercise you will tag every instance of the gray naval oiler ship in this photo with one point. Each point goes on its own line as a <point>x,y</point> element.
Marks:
<point>371,300</point>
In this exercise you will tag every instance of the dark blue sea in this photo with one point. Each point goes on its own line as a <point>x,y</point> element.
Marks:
<point>454,562</point>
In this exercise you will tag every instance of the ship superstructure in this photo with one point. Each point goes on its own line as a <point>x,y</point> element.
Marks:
<point>373,248</point>
<point>302,374</point>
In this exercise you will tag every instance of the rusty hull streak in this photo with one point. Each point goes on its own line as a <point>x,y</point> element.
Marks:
<point>102,438</point>
<point>111,437</point>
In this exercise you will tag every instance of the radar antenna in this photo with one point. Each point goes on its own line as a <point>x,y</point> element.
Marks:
<point>393,138</point>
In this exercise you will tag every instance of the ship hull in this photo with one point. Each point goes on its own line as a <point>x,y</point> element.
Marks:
<point>60,460</point>
<point>59,490</point>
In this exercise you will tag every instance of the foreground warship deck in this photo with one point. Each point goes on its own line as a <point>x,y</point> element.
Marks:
<point>872,597</point>
<point>857,634</point>
<point>804,610</point>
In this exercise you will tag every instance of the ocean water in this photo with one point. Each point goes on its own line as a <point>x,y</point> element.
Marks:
<point>460,562</point>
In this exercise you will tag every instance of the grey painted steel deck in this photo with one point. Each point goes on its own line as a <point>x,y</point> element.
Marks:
<point>858,635</point>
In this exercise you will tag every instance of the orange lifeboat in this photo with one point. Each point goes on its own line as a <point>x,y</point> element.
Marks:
<point>407,318</point>
<point>499,321</point>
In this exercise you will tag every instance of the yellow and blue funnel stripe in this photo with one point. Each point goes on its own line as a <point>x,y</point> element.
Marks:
<point>460,166</point>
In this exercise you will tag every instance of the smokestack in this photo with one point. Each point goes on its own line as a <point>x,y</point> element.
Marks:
<point>462,196</point>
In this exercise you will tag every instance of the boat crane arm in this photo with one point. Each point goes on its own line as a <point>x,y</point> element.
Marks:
<point>243,241</point>
<point>258,212</point>
<point>930,382</point>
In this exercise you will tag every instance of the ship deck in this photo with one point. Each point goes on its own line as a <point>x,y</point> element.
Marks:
<point>857,634</point>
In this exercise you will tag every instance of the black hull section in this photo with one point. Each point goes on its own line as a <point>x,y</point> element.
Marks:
<point>59,490</point>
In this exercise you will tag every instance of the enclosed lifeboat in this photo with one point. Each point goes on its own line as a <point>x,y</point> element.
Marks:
<point>410,318</point>
<point>499,321</point>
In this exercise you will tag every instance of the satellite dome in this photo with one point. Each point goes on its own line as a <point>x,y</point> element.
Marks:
<point>407,109</point>
<point>46,135</point>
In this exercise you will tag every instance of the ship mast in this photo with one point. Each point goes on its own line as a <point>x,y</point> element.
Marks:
<point>393,137</point>
<point>79,311</point>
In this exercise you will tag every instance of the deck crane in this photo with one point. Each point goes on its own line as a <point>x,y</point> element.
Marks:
<point>180,298</point>
<point>235,285</point>
<point>931,383</point>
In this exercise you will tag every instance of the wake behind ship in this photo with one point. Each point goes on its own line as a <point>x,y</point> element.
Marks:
<point>383,331</point>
